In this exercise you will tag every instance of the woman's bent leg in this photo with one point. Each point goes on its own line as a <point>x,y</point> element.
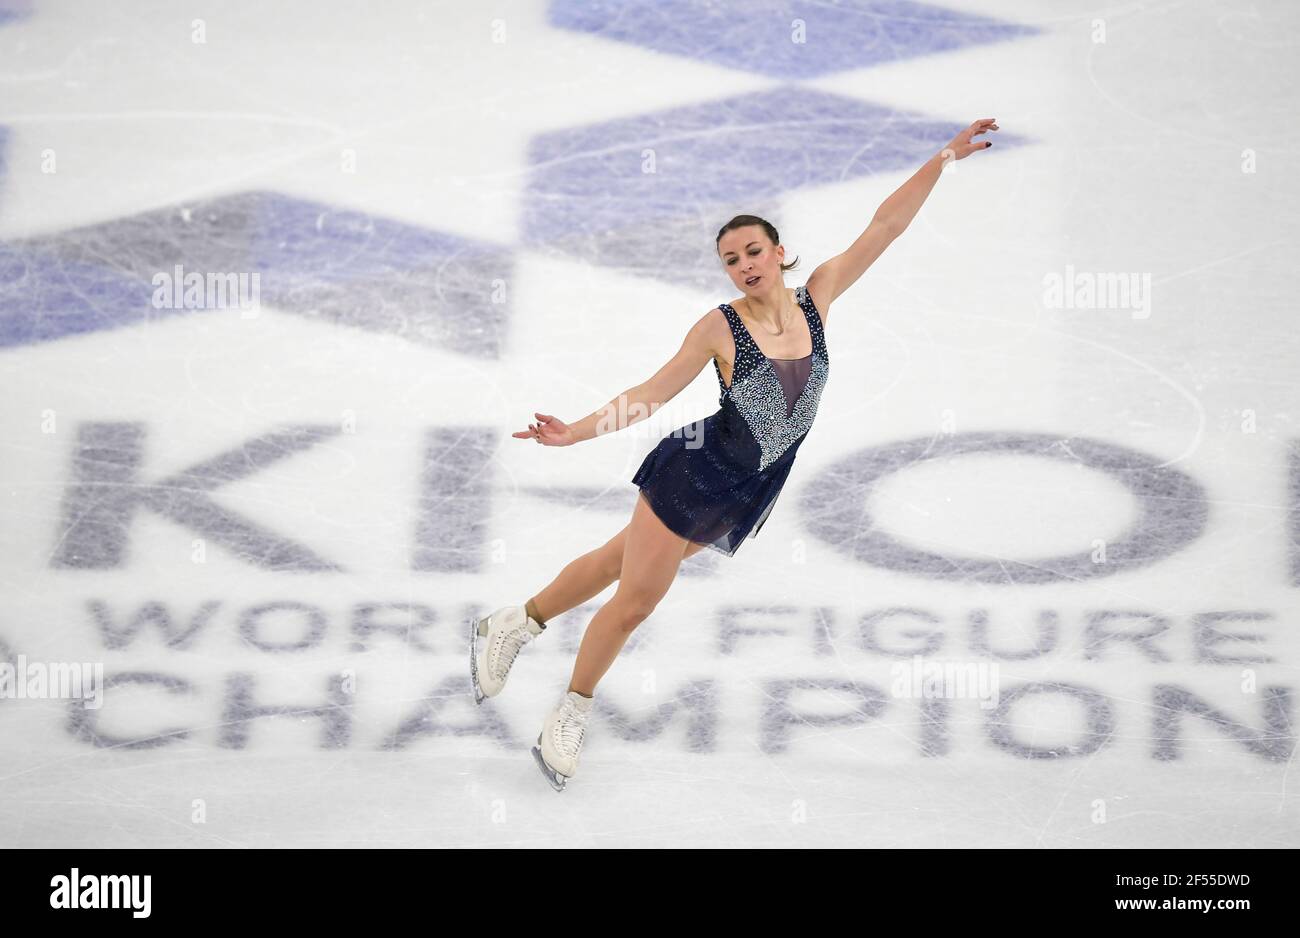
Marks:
<point>588,576</point>
<point>581,579</point>
<point>652,555</point>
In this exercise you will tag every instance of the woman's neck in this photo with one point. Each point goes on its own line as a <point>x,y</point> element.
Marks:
<point>771,311</point>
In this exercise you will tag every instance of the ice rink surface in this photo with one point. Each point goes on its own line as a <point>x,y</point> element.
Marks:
<point>1058,452</point>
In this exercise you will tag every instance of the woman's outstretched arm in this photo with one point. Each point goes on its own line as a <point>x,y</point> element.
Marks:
<point>839,273</point>
<point>639,402</point>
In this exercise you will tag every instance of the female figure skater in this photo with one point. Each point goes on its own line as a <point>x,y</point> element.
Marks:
<point>711,483</point>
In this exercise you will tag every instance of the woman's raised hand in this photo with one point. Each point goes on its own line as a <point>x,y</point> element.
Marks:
<point>549,431</point>
<point>962,146</point>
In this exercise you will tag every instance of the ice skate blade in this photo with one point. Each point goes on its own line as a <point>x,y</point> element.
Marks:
<point>479,696</point>
<point>555,778</point>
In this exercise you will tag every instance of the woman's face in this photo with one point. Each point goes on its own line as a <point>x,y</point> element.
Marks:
<point>747,253</point>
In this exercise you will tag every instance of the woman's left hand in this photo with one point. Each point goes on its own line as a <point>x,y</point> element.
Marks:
<point>962,145</point>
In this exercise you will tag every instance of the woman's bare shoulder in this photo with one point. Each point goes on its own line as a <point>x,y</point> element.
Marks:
<point>820,296</point>
<point>714,322</point>
<point>710,336</point>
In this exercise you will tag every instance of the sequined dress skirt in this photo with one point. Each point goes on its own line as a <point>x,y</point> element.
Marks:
<point>702,483</point>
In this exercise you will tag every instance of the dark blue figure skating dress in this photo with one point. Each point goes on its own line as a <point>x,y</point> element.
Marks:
<point>715,481</point>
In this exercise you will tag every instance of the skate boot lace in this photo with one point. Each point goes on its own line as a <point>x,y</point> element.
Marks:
<point>570,729</point>
<point>508,646</point>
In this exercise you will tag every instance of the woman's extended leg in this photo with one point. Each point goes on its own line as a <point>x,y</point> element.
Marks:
<point>652,555</point>
<point>587,576</point>
<point>581,579</point>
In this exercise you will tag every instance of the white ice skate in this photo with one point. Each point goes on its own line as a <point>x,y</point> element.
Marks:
<point>493,644</point>
<point>560,741</point>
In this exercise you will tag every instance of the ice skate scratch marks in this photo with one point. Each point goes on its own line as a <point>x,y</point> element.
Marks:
<point>1147,366</point>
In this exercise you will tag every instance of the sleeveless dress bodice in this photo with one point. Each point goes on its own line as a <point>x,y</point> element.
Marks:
<point>715,481</point>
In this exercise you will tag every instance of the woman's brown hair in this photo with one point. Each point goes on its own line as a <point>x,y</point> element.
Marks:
<point>743,221</point>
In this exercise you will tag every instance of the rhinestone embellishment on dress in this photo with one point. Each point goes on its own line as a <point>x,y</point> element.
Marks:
<point>761,400</point>
<point>759,395</point>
